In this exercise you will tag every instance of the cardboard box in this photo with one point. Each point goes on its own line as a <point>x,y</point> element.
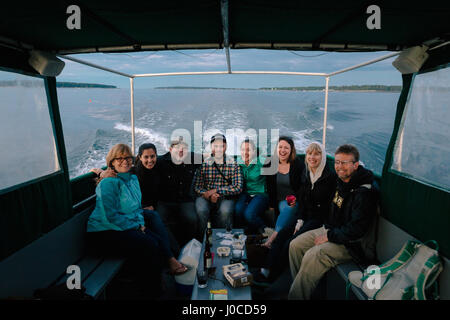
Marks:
<point>237,275</point>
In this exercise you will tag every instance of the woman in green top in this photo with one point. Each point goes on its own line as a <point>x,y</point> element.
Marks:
<point>253,201</point>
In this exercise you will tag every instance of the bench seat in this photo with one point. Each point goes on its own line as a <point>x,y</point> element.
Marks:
<point>44,262</point>
<point>390,240</point>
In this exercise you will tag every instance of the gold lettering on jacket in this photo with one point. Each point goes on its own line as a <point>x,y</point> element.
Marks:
<point>338,199</point>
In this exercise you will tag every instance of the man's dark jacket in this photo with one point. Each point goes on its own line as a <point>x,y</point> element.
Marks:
<point>176,179</point>
<point>352,216</point>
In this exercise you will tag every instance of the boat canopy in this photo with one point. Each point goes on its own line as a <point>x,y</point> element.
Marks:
<point>110,26</point>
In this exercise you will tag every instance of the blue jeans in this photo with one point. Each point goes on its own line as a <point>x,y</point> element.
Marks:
<point>220,219</point>
<point>249,210</point>
<point>287,215</point>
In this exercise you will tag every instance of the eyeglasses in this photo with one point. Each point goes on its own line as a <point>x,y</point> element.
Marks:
<point>338,162</point>
<point>127,159</point>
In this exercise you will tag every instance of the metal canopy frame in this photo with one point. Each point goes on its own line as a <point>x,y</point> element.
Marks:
<point>327,77</point>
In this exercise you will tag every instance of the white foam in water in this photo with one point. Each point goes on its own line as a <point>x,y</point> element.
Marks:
<point>93,158</point>
<point>145,136</point>
<point>96,158</point>
<point>216,124</point>
<point>300,140</point>
<point>87,165</point>
<point>233,124</point>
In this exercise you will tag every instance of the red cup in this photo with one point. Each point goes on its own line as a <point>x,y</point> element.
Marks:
<point>290,199</point>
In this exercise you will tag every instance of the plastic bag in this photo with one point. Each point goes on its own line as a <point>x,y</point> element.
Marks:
<point>189,256</point>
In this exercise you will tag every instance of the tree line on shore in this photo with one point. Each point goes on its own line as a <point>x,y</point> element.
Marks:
<point>367,87</point>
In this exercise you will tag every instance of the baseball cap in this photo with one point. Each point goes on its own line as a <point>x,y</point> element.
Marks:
<point>218,136</point>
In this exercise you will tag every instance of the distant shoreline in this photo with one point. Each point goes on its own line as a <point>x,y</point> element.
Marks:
<point>83,85</point>
<point>359,88</point>
<point>62,84</point>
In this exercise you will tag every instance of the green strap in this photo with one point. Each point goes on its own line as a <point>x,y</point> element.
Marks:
<point>427,276</point>
<point>347,289</point>
<point>436,245</point>
<point>405,253</point>
<point>402,257</point>
<point>408,293</point>
<point>419,288</point>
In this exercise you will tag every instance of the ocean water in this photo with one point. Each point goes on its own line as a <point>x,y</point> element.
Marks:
<point>96,119</point>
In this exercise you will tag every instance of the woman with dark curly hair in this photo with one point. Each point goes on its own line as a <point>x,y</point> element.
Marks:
<point>285,182</point>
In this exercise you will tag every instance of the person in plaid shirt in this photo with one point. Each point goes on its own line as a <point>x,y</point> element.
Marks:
<point>217,183</point>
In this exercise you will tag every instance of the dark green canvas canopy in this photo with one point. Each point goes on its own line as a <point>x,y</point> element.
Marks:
<point>158,25</point>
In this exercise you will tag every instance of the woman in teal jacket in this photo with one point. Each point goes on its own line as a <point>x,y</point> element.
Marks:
<point>119,225</point>
<point>253,201</point>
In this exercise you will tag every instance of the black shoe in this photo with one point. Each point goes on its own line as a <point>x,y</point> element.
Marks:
<point>260,280</point>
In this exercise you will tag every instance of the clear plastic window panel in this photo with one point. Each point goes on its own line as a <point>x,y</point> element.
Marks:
<point>27,140</point>
<point>422,149</point>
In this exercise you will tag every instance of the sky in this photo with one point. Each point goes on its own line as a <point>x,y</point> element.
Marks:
<point>241,60</point>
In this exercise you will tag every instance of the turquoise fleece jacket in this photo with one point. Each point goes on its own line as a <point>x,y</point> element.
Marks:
<point>118,205</point>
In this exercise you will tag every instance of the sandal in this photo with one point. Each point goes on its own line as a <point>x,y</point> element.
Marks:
<point>180,270</point>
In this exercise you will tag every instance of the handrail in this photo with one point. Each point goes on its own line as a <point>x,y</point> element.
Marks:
<point>79,204</point>
<point>364,64</point>
<point>289,73</point>
<point>93,65</point>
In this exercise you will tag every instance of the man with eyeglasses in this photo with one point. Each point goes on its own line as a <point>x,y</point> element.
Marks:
<point>347,233</point>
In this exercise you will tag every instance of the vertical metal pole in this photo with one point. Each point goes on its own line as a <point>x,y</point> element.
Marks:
<point>225,29</point>
<point>227,52</point>
<point>327,79</point>
<point>132,115</point>
<point>400,151</point>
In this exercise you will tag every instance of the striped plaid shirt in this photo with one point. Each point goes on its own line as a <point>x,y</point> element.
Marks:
<point>207,177</point>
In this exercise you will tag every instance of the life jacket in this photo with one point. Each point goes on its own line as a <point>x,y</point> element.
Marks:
<point>406,276</point>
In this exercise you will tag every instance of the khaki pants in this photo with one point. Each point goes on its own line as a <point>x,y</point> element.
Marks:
<point>309,262</point>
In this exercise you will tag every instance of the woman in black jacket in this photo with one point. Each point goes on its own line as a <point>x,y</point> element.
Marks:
<point>317,185</point>
<point>285,182</point>
<point>147,169</point>
<point>317,188</point>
